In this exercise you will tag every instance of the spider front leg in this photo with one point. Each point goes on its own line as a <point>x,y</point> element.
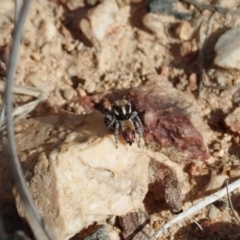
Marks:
<point>111,120</point>
<point>117,125</point>
<point>138,124</point>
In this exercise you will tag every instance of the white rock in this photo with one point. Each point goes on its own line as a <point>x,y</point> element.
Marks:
<point>99,20</point>
<point>81,178</point>
<point>228,50</point>
<point>85,179</point>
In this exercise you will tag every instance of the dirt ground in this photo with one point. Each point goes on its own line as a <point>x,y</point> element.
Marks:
<point>76,63</point>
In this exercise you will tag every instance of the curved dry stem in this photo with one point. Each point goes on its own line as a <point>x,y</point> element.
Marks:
<point>35,221</point>
<point>196,207</point>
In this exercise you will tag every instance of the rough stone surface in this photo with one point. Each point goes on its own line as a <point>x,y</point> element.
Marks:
<point>86,177</point>
<point>136,226</point>
<point>100,20</point>
<point>228,50</point>
<point>161,174</point>
<point>166,119</point>
<point>77,176</point>
<point>233,121</point>
<point>155,24</point>
<point>71,160</point>
<point>104,232</point>
<point>184,30</point>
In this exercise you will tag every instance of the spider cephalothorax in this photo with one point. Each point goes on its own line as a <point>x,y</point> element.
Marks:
<point>124,118</point>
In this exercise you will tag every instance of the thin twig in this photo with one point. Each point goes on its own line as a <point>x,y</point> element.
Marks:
<point>17,7</point>
<point>230,202</point>
<point>37,225</point>
<point>196,207</point>
<point>200,227</point>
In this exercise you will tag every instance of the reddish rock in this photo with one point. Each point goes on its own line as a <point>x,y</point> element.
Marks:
<point>135,226</point>
<point>168,124</point>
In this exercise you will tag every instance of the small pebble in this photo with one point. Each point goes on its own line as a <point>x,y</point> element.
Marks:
<point>228,50</point>
<point>47,30</point>
<point>188,51</point>
<point>213,212</point>
<point>192,82</point>
<point>99,20</point>
<point>90,87</point>
<point>221,80</point>
<point>228,4</point>
<point>69,93</point>
<point>184,30</point>
<point>36,79</point>
<point>81,92</point>
<point>234,173</point>
<point>72,70</point>
<point>233,121</point>
<point>155,24</point>
<point>36,57</point>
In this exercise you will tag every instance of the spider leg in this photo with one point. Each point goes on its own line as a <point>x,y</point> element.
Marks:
<point>138,124</point>
<point>133,115</point>
<point>139,131</point>
<point>111,119</point>
<point>117,125</point>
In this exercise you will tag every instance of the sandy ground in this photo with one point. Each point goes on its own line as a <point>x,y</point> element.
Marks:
<point>76,64</point>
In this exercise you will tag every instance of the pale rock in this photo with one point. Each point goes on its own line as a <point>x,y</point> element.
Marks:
<point>36,79</point>
<point>155,24</point>
<point>221,80</point>
<point>228,50</point>
<point>108,29</point>
<point>69,93</point>
<point>81,92</point>
<point>90,86</point>
<point>72,70</point>
<point>228,4</point>
<point>233,121</point>
<point>215,183</point>
<point>184,30</point>
<point>81,177</point>
<point>99,20</point>
<point>6,11</point>
<point>213,212</point>
<point>235,173</point>
<point>84,178</point>
<point>7,8</point>
<point>52,49</point>
<point>47,30</point>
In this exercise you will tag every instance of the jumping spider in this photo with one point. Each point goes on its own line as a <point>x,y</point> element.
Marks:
<point>122,116</point>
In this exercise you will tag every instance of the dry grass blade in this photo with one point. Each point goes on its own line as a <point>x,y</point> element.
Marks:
<point>230,202</point>
<point>21,111</point>
<point>26,90</point>
<point>195,208</point>
<point>36,223</point>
